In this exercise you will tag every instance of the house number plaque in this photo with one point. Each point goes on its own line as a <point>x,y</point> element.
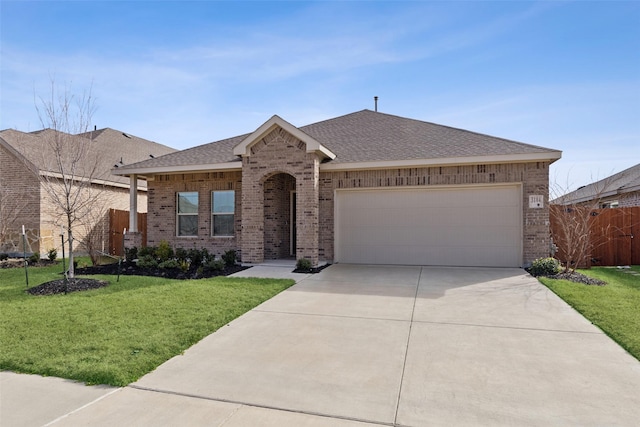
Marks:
<point>536,201</point>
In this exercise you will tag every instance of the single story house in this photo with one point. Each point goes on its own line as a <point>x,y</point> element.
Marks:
<point>27,159</point>
<point>365,187</point>
<point>616,191</point>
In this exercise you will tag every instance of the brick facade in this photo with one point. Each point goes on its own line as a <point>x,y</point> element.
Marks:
<point>279,163</point>
<point>19,204</point>
<point>161,200</point>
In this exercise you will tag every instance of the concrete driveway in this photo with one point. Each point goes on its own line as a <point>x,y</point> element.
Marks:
<point>378,345</point>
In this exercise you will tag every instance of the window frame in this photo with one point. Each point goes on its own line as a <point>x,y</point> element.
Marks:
<point>226,213</point>
<point>184,214</point>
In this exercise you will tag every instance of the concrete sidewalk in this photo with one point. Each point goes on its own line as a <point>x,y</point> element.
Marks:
<point>406,346</point>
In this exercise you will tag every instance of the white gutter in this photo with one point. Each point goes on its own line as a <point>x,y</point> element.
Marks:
<point>217,167</point>
<point>92,181</point>
<point>551,156</point>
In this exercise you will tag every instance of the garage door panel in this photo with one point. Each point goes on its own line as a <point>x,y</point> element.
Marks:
<point>478,226</point>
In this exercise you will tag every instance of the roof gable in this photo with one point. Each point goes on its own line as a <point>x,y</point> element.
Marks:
<point>313,146</point>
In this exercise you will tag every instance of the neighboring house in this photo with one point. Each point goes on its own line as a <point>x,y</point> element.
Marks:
<point>366,187</point>
<point>619,190</point>
<point>26,157</point>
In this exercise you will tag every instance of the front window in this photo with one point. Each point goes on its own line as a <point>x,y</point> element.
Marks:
<point>222,213</point>
<point>187,214</point>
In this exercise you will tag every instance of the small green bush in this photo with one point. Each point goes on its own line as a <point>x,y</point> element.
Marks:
<point>164,252</point>
<point>147,251</point>
<point>185,265</point>
<point>206,255</point>
<point>170,263</point>
<point>147,261</point>
<point>229,258</point>
<point>181,254</point>
<point>545,267</point>
<point>215,265</point>
<point>131,253</point>
<point>52,254</point>
<point>196,256</point>
<point>303,264</point>
<point>34,258</point>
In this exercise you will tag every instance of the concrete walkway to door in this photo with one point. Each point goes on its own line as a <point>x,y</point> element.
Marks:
<point>400,346</point>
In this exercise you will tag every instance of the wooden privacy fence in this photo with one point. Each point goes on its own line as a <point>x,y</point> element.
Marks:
<point>613,236</point>
<point>118,221</point>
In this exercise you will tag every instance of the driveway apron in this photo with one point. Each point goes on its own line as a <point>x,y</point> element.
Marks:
<point>380,345</point>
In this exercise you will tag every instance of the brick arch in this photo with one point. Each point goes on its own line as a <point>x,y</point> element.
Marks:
<point>275,172</point>
<point>279,153</point>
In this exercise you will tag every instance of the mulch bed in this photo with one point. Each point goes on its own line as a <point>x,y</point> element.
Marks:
<point>131,269</point>
<point>84,284</point>
<point>578,278</point>
<point>73,285</point>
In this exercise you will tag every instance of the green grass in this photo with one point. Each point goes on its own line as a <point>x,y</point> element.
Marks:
<point>614,308</point>
<point>116,334</point>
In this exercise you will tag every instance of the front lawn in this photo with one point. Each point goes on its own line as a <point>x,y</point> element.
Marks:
<point>116,334</point>
<point>614,308</point>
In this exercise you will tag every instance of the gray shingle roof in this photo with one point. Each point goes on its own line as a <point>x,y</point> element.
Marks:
<point>622,182</point>
<point>108,146</point>
<point>366,136</point>
<point>371,136</point>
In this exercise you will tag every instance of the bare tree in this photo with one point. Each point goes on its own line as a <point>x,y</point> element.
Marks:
<point>69,169</point>
<point>573,215</point>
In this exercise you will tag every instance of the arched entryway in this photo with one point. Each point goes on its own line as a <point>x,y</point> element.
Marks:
<point>279,216</point>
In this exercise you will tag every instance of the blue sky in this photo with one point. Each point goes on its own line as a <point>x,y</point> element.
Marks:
<point>564,75</point>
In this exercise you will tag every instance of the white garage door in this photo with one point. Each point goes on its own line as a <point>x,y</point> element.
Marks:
<point>457,226</point>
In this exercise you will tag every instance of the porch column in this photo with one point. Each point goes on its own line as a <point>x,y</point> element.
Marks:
<point>133,203</point>
<point>308,211</point>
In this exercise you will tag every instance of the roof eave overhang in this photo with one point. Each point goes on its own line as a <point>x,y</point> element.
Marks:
<point>313,146</point>
<point>547,156</point>
<point>94,181</point>
<point>600,196</point>
<point>211,167</point>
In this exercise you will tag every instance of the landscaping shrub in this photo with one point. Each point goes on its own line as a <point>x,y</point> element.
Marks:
<point>170,263</point>
<point>4,257</point>
<point>131,253</point>
<point>181,254</point>
<point>545,267</point>
<point>147,261</point>
<point>52,254</point>
<point>215,265</point>
<point>229,258</point>
<point>303,264</point>
<point>34,258</point>
<point>196,256</point>
<point>185,265</point>
<point>164,252</point>
<point>147,251</point>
